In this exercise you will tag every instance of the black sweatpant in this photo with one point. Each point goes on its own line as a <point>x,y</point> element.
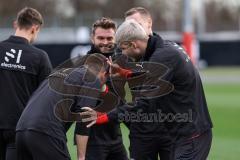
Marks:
<point>104,152</point>
<point>33,145</point>
<point>7,145</point>
<point>194,148</point>
<point>150,148</point>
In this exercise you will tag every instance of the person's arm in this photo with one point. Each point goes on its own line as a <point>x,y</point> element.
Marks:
<point>116,70</point>
<point>119,114</point>
<point>45,67</point>
<point>81,141</point>
<point>82,132</point>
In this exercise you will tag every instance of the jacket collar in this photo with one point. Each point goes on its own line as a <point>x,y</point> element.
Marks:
<point>154,42</point>
<point>18,39</point>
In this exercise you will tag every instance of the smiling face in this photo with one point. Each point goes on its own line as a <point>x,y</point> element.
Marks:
<point>104,39</point>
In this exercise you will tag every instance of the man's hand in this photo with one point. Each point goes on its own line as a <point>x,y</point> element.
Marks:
<point>90,114</point>
<point>114,68</point>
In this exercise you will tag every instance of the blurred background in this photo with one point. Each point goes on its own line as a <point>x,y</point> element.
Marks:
<point>213,24</point>
<point>216,24</point>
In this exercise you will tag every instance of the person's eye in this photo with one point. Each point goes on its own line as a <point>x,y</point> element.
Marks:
<point>123,49</point>
<point>110,38</point>
<point>100,38</point>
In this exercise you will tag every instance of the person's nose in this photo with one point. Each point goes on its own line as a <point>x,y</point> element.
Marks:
<point>105,42</point>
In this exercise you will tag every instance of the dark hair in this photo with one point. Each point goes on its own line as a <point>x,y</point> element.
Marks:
<point>105,23</point>
<point>28,17</point>
<point>96,63</point>
<point>142,11</point>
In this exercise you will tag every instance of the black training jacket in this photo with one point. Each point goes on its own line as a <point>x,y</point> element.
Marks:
<point>182,112</point>
<point>22,68</point>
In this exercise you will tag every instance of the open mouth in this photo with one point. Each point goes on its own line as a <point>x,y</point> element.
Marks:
<point>108,47</point>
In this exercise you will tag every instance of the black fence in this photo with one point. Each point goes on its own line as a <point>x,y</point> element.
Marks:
<point>58,53</point>
<point>220,53</point>
<point>214,53</point>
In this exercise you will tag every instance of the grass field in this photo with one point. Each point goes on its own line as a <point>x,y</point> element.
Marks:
<point>222,89</point>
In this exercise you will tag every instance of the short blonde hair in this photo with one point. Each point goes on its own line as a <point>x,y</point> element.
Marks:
<point>142,11</point>
<point>130,30</point>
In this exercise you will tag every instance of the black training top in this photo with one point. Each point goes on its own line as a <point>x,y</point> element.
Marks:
<point>43,112</point>
<point>22,68</point>
<point>181,112</point>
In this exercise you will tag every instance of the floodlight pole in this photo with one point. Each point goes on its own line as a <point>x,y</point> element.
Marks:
<point>189,41</point>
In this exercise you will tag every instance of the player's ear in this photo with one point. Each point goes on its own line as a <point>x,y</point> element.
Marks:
<point>134,45</point>
<point>35,29</point>
<point>32,30</point>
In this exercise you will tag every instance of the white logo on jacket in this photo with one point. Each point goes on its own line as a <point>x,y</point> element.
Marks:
<point>13,54</point>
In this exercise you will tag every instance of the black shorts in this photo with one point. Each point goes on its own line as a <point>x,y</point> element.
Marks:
<point>38,146</point>
<point>150,148</point>
<point>194,148</point>
<point>104,152</point>
<point>7,145</point>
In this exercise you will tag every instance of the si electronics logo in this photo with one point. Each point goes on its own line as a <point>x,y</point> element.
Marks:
<point>15,58</point>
